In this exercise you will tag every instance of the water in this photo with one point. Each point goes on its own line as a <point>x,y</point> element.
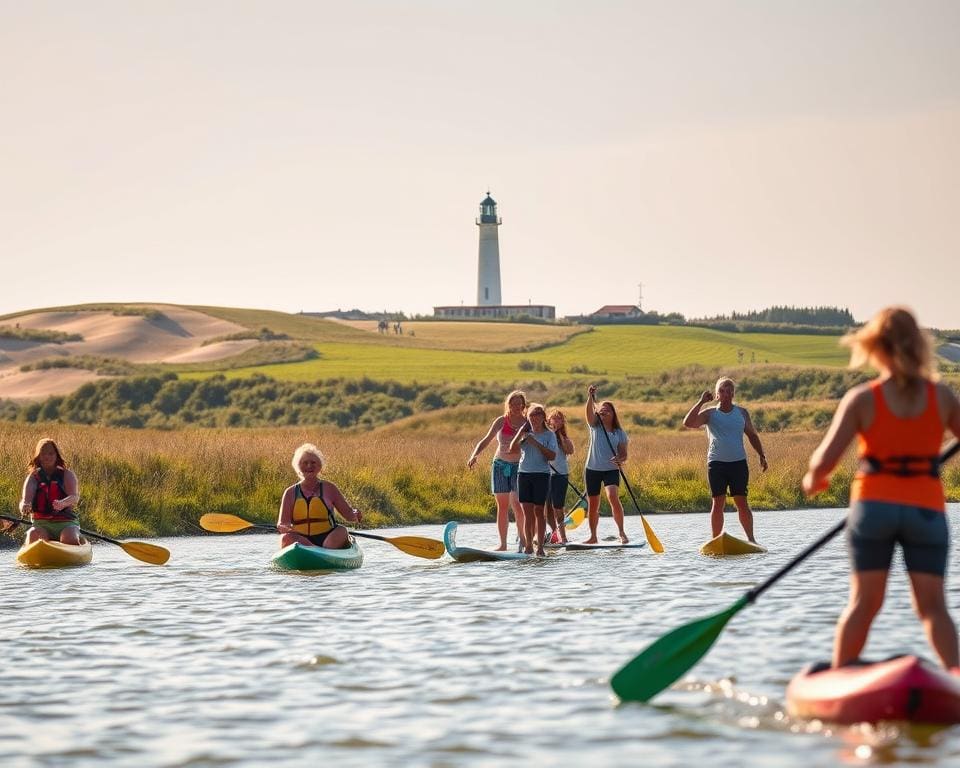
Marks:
<point>215,660</point>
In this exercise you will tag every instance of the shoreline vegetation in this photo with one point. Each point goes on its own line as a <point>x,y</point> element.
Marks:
<point>139,483</point>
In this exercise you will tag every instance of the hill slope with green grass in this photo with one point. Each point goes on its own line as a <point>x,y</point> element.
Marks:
<point>607,351</point>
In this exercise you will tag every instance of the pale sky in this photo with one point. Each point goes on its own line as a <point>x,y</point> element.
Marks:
<point>320,155</point>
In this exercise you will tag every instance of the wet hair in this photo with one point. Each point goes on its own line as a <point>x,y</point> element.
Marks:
<point>893,339</point>
<point>724,380</point>
<point>616,419</point>
<point>516,393</point>
<point>562,431</point>
<point>42,443</point>
<point>304,450</point>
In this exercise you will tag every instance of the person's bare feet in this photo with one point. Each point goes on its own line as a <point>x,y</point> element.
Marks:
<point>592,540</point>
<point>501,548</point>
<point>623,538</point>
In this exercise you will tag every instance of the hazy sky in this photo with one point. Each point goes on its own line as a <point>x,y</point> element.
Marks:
<point>316,155</point>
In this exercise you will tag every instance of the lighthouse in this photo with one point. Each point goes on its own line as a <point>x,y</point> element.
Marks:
<point>488,267</point>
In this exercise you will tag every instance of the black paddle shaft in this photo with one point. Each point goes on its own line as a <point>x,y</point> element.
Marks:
<point>754,593</point>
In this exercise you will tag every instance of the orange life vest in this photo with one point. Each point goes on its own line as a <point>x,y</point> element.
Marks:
<point>899,456</point>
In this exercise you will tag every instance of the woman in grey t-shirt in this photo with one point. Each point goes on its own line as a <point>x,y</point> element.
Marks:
<point>606,456</point>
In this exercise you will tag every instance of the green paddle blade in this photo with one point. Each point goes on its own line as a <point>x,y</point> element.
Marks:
<point>665,660</point>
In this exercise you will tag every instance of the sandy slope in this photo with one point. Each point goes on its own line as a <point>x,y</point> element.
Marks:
<point>176,337</point>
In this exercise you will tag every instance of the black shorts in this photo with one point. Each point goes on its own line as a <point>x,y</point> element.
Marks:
<point>558,491</point>
<point>595,478</point>
<point>532,487</point>
<point>728,474</point>
<point>318,538</point>
<point>874,528</point>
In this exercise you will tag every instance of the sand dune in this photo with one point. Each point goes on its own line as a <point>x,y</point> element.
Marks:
<point>176,337</point>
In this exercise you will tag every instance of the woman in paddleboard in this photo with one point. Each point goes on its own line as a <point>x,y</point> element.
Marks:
<point>307,507</point>
<point>506,463</point>
<point>559,473</point>
<point>727,468</point>
<point>603,464</point>
<point>50,492</point>
<point>897,496</point>
<point>538,447</point>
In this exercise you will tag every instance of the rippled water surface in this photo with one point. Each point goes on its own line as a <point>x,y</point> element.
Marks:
<point>214,659</point>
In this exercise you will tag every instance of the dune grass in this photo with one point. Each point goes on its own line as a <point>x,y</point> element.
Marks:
<point>146,482</point>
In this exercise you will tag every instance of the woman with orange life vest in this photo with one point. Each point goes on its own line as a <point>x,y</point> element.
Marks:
<point>897,496</point>
<point>307,507</point>
<point>506,465</point>
<point>50,492</point>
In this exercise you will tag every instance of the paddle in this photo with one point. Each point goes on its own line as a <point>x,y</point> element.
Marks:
<point>148,553</point>
<point>418,546</point>
<point>652,539</point>
<point>663,662</point>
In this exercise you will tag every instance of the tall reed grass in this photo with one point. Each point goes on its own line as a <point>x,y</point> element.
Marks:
<point>150,482</point>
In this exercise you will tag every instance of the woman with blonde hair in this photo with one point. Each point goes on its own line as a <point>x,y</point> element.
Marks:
<point>506,464</point>
<point>538,447</point>
<point>897,496</point>
<point>307,507</point>
<point>50,493</point>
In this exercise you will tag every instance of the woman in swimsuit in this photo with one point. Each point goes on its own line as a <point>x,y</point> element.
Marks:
<point>506,464</point>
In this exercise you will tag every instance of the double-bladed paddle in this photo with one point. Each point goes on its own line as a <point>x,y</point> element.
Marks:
<point>418,546</point>
<point>652,539</point>
<point>148,553</point>
<point>663,662</point>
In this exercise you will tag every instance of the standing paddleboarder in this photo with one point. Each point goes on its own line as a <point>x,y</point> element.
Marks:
<point>727,468</point>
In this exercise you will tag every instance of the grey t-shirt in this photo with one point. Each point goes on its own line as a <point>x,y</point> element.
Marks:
<point>531,458</point>
<point>600,455</point>
<point>725,435</point>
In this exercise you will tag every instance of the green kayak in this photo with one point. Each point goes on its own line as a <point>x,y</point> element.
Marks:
<point>298,557</point>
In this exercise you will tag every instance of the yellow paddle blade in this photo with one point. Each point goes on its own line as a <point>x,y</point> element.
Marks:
<point>575,518</point>
<point>149,553</point>
<point>220,522</point>
<point>418,546</point>
<point>652,539</point>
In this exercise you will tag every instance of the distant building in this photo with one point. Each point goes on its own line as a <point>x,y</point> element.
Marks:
<point>610,311</point>
<point>488,277</point>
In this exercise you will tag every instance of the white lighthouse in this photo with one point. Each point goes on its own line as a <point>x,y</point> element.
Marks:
<point>488,269</point>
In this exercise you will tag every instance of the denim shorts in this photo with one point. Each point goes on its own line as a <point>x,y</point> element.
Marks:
<point>874,528</point>
<point>503,476</point>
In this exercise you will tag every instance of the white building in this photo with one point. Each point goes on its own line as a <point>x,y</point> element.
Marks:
<point>488,277</point>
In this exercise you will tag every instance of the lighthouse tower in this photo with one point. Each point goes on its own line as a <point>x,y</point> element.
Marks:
<point>488,272</point>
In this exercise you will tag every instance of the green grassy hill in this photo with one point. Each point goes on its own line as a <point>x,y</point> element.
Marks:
<point>612,351</point>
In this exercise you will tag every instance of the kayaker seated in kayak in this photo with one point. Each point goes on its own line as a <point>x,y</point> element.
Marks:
<point>727,468</point>
<point>50,493</point>
<point>897,495</point>
<point>307,508</point>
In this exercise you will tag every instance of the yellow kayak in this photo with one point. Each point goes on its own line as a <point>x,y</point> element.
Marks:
<point>725,544</point>
<point>53,554</point>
